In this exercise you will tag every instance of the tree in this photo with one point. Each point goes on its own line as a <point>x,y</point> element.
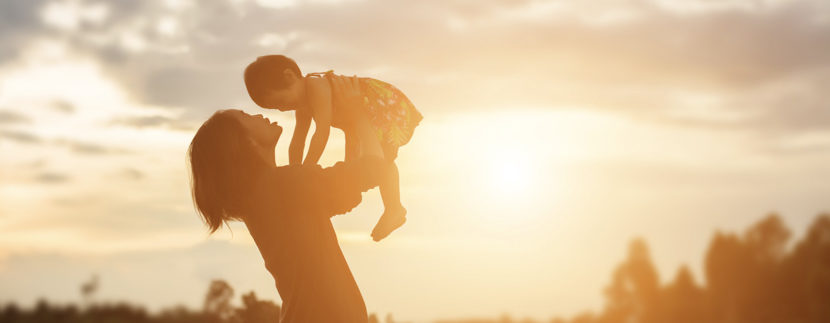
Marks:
<point>257,311</point>
<point>766,242</point>
<point>725,262</point>
<point>807,271</point>
<point>683,299</point>
<point>218,300</point>
<point>88,289</point>
<point>634,290</point>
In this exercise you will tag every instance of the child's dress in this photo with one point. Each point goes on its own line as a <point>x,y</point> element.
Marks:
<point>392,115</point>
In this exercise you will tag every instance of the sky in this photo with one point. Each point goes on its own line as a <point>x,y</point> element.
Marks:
<point>554,132</point>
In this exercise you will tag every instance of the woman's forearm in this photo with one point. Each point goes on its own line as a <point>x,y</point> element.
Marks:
<point>340,186</point>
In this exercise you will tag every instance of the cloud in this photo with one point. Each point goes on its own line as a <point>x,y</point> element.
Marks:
<point>87,219</point>
<point>20,136</point>
<point>10,117</point>
<point>19,21</point>
<point>789,106</point>
<point>80,147</point>
<point>132,174</point>
<point>154,121</point>
<point>33,164</point>
<point>693,82</point>
<point>505,55</point>
<point>87,148</point>
<point>52,178</point>
<point>175,274</point>
<point>64,107</point>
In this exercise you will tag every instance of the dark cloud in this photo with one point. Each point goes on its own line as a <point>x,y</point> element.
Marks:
<point>34,164</point>
<point>87,148</point>
<point>801,114</point>
<point>64,106</point>
<point>631,67</point>
<point>141,122</point>
<point>51,178</point>
<point>19,21</point>
<point>132,174</point>
<point>20,136</point>
<point>208,88</point>
<point>10,117</point>
<point>819,150</point>
<point>116,217</point>
<point>70,202</point>
<point>80,147</point>
<point>799,106</point>
<point>790,107</point>
<point>153,122</point>
<point>661,49</point>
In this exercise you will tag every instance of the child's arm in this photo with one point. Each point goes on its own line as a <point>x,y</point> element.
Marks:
<point>319,102</point>
<point>295,149</point>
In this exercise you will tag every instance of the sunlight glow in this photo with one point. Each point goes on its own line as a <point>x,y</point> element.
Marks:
<point>508,176</point>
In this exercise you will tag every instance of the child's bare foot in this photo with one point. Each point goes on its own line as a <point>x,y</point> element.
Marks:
<point>389,221</point>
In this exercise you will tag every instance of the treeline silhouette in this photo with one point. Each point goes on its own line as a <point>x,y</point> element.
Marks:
<point>217,308</point>
<point>754,277</point>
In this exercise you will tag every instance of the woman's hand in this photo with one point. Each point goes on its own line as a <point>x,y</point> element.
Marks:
<point>346,94</point>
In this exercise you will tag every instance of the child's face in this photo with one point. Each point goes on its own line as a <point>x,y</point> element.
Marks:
<point>288,98</point>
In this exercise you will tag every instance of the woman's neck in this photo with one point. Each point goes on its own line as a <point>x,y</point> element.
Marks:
<point>269,155</point>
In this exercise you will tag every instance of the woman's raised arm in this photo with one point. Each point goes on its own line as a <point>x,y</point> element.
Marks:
<point>324,191</point>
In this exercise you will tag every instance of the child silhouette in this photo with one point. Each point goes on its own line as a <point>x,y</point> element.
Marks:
<point>275,82</point>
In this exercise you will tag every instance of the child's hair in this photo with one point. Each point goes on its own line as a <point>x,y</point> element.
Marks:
<point>266,73</point>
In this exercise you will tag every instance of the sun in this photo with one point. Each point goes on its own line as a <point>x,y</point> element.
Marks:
<point>510,174</point>
<point>509,178</point>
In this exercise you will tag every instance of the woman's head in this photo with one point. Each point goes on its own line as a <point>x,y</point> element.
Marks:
<point>275,82</point>
<point>225,155</point>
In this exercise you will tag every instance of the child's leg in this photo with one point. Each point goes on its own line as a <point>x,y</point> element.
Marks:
<point>390,190</point>
<point>394,215</point>
<point>368,143</point>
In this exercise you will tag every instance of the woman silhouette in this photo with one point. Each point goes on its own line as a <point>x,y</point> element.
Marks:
<point>286,209</point>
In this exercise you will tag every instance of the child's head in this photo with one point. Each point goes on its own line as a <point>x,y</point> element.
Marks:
<point>275,82</point>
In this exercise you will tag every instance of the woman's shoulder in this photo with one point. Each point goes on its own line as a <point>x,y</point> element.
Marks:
<point>290,177</point>
<point>275,180</point>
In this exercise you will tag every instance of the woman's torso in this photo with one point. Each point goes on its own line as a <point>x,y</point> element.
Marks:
<point>301,252</point>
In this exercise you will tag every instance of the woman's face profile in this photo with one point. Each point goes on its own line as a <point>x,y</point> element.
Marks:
<point>259,128</point>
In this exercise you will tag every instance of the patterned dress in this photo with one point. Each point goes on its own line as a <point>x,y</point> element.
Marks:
<point>392,115</point>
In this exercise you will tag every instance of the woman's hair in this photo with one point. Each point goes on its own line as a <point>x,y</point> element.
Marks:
<point>266,73</point>
<point>223,162</point>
